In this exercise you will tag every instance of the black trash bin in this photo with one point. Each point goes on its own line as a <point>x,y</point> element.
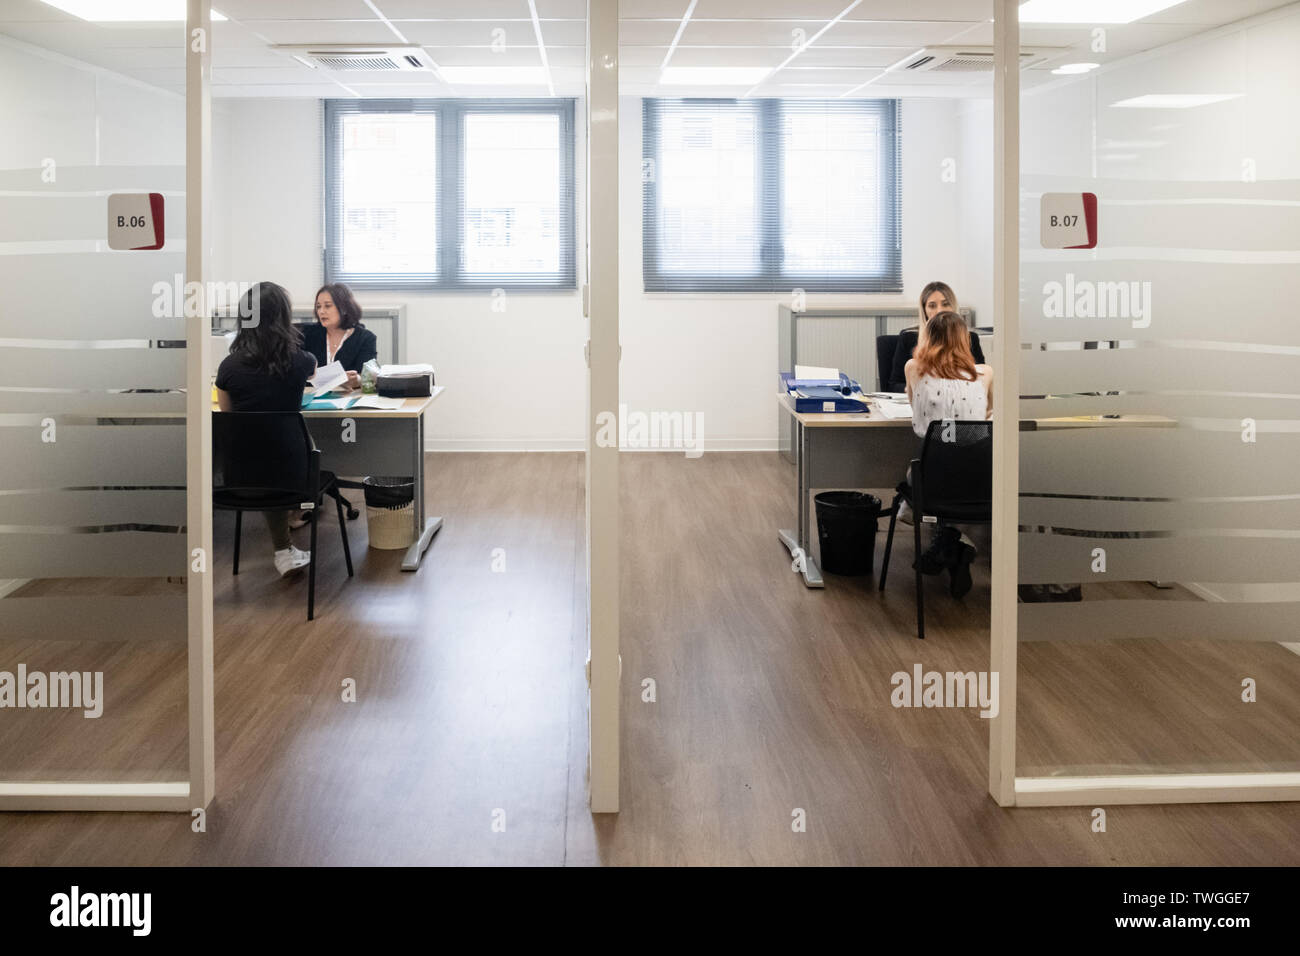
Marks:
<point>846,531</point>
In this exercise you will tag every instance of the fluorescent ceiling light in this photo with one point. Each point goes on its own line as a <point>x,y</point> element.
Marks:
<point>127,11</point>
<point>713,75</point>
<point>1070,68</point>
<point>493,75</point>
<point>1091,11</point>
<point>1173,101</point>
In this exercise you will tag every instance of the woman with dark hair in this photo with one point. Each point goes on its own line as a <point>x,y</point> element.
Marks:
<point>266,371</point>
<point>338,335</point>
<point>944,382</point>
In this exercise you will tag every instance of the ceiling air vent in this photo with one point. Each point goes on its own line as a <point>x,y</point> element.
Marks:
<point>967,59</point>
<point>360,59</point>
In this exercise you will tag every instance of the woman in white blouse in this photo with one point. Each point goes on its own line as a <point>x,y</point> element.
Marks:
<point>945,383</point>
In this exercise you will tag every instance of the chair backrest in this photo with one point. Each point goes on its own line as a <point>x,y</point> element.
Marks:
<point>886,346</point>
<point>263,452</point>
<point>956,466</point>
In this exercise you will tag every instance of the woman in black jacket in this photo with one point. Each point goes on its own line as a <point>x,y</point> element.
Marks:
<point>266,371</point>
<point>338,335</point>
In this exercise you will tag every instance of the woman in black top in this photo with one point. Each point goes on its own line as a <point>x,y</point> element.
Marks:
<point>338,335</point>
<point>266,371</point>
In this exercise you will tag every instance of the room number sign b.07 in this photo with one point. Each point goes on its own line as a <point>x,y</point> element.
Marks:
<point>135,221</point>
<point>1068,221</point>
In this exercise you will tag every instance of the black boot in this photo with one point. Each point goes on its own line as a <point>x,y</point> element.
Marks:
<point>960,569</point>
<point>942,552</point>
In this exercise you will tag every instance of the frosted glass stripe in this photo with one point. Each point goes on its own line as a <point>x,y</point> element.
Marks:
<point>100,179</point>
<point>1156,463</point>
<point>85,455</point>
<point>1159,620</point>
<point>1230,303</point>
<point>1045,373</point>
<point>1155,515</point>
<point>99,507</point>
<point>1062,559</point>
<point>89,295</point>
<point>101,403</point>
<point>154,617</point>
<point>98,369</point>
<point>1275,410</point>
<point>1033,185</point>
<point>123,554</point>
<point>1237,226</point>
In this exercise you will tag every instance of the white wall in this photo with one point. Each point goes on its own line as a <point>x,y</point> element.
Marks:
<point>517,380</point>
<point>717,353</point>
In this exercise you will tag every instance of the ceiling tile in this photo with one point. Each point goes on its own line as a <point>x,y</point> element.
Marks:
<point>959,10</point>
<point>654,9</point>
<point>822,10</point>
<point>295,9</point>
<point>453,9</point>
<point>873,56</point>
<point>779,33</point>
<point>728,56</point>
<point>562,9</point>
<point>647,32</point>
<point>325,31</point>
<point>895,33</point>
<point>462,56</point>
<point>465,32</point>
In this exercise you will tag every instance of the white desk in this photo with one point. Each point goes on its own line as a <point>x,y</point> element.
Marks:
<point>830,452</point>
<point>867,450</point>
<point>384,442</point>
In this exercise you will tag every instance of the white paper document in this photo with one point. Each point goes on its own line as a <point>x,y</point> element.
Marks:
<point>328,377</point>
<point>894,409</point>
<point>815,373</point>
<point>417,369</point>
<point>379,401</point>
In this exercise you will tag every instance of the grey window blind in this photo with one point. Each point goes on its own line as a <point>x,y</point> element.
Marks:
<point>769,195</point>
<point>450,195</point>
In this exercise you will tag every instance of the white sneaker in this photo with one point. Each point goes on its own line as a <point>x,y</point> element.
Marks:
<point>905,513</point>
<point>291,559</point>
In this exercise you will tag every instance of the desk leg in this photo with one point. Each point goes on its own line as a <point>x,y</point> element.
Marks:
<point>425,528</point>
<point>797,542</point>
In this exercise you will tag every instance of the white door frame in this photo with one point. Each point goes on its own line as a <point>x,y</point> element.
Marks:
<point>601,306</point>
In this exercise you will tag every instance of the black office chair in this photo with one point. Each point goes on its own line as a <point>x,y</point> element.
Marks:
<point>893,351</point>
<point>886,346</point>
<point>267,461</point>
<point>952,482</point>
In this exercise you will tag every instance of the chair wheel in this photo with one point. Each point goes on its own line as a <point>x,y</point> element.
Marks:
<point>353,514</point>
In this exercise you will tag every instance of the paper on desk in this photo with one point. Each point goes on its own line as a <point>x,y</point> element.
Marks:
<point>815,373</point>
<point>417,369</point>
<point>379,401</point>
<point>328,377</point>
<point>894,409</point>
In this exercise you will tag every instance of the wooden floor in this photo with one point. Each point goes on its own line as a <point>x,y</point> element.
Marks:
<point>770,697</point>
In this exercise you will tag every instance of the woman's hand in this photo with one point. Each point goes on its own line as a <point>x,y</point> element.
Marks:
<point>354,380</point>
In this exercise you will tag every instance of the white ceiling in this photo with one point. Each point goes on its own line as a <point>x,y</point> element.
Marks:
<point>854,50</point>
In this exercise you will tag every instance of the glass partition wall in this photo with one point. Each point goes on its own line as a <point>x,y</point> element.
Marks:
<point>1158,581</point>
<point>102,617</point>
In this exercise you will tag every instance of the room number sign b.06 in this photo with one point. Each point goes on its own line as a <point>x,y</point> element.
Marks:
<point>135,221</point>
<point>1068,221</point>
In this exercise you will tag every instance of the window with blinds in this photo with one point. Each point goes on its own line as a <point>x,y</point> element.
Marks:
<point>769,195</point>
<point>450,195</point>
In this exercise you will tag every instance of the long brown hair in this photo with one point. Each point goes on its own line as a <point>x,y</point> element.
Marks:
<point>930,289</point>
<point>944,349</point>
<point>349,311</point>
<point>268,341</point>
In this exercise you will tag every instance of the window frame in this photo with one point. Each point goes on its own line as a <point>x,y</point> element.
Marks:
<point>451,212</point>
<point>769,160</point>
